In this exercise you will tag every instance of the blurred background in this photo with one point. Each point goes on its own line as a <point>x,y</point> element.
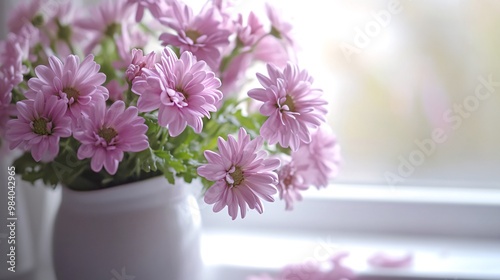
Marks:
<point>401,78</point>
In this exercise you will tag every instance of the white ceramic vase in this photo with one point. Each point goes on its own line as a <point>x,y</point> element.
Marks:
<point>147,230</point>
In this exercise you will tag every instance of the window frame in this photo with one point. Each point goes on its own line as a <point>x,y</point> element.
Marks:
<point>410,210</point>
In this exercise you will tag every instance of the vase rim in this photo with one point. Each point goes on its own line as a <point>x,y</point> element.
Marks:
<point>153,190</point>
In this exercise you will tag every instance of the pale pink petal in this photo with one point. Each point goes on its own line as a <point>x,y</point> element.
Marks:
<point>240,175</point>
<point>293,107</point>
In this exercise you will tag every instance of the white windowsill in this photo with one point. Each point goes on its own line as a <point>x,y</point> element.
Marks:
<point>415,194</point>
<point>427,211</point>
<point>236,255</point>
<point>452,233</point>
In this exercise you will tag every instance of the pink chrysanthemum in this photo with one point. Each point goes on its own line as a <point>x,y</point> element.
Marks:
<point>126,42</point>
<point>203,34</point>
<point>294,108</point>
<point>116,90</point>
<point>13,50</point>
<point>183,90</point>
<point>232,74</point>
<point>251,32</point>
<point>243,174</point>
<point>25,14</point>
<point>59,30</point>
<point>226,10</point>
<point>319,160</point>
<point>112,17</point>
<point>155,7</point>
<point>6,108</point>
<point>9,78</point>
<point>77,84</point>
<point>40,125</point>
<point>271,50</point>
<point>275,49</point>
<point>138,62</point>
<point>279,28</point>
<point>291,184</point>
<point>106,134</point>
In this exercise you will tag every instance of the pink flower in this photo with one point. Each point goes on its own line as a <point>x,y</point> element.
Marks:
<point>243,174</point>
<point>106,134</point>
<point>294,108</point>
<point>40,125</point>
<point>9,79</point>
<point>13,51</point>
<point>290,184</point>
<point>202,34</point>
<point>275,49</point>
<point>271,50</point>
<point>232,73</point>
<point>225,9</point>
<point>116,90</point>
<point>58,29</point>
<point>319,160</point>
<point>110,18</point>
<point>279,28</point>
<point>156,7</point>
<point>183,90</point>
<point>139,61</point>
<point>25,14</point>
<point>126,42</point>
<point>6,108</point>
<point>77,84</point>
<point>249,33</point>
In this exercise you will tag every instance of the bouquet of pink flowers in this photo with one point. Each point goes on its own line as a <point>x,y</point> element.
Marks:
<point>134,89</point>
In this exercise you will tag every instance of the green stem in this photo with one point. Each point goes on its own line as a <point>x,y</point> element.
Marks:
<point>70,45</point>
<point>237,51</point>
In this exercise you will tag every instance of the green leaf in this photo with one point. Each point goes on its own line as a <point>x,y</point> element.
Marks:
<point>206,184</point>
<point>183,153</point>
<point>188,177</point>
<point>32,171</point>
<point>171,161</point>
<point>170,176</point>
<point>151,161</point>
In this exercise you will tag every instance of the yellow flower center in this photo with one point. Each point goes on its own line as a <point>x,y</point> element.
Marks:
<point>289,102</point>
<point>71,92</point>
<point>276,33</point>
<point>237,175</point>
<point>193,35</point>
<point>288,181</point>
<point>107,134</point>
<point>112,29</point>
<point>64,32</point>
<point>37,21</point>
<point>40,126</point>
